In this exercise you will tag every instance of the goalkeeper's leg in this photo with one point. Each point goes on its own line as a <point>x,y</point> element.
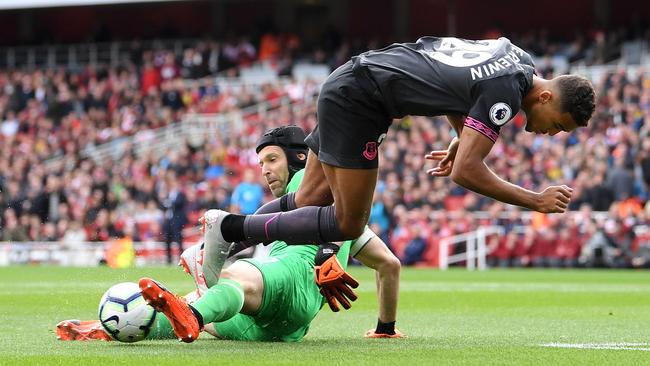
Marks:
<point>240,289</point>
<point>219,303</point>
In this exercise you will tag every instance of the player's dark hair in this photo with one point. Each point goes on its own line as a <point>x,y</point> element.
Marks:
<point>577,97</point>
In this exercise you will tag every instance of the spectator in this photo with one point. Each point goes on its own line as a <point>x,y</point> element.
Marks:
<point>47,204</point>
<point>600,250</point>
<point>500,249</point>
<point>520,253</point>
<point>173,201</point>
<point>247,196</point>
<point>620,180</point>
<point>74,235</point>
<point>644,161</point>
<point>568,248</point>
<point>11,230</point>
<point>150,78</point>
<point>414,251</point>
<point>379,216</point>
<point>598,195</point>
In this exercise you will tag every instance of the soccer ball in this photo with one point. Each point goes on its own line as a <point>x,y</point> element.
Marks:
<point>124,314</point>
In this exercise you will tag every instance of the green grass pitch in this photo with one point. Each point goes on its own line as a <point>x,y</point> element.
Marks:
<point>495,317</point>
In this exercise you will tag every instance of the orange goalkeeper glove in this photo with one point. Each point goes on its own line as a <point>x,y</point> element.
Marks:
<point>334,283</point>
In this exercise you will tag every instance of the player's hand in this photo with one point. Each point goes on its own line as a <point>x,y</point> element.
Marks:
<point>554,199</point>
<point>445,158</point>
<point>335,284</point>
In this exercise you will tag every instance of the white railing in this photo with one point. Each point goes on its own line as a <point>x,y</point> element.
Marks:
<point>595,73</point>
<point>476,252</point>
<point>80,54</point>
<point>78,254</point>
<point>194,129</point>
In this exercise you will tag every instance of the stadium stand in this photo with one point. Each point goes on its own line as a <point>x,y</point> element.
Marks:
<point>90,150</point>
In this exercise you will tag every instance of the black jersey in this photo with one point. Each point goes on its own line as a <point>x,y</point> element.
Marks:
<point>484,80</point>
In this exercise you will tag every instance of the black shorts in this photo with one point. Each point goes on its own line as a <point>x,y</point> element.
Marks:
<point>351,121</point>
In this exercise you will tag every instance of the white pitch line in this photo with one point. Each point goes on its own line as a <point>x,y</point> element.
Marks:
<point>601,346</point>
<point>437,286</point>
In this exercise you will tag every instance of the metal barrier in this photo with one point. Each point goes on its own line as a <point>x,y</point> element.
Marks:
<point>81,54</point>
<point>193,129</point>
<point>80,254</point>
<point>475,254</point>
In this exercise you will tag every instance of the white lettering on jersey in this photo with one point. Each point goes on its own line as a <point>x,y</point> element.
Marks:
<point>502,63</point>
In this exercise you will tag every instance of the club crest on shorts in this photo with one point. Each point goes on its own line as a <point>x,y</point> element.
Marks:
<point>370,152</point>
<point>500,113</point>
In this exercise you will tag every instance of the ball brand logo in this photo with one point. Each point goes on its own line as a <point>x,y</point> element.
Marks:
<point>500,113</point>
<point>370,152</point>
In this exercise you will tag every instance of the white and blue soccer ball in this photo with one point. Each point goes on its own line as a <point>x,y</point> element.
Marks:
<point>124,313</point>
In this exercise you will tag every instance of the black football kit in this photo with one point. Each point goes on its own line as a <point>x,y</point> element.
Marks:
<point>484,80</point>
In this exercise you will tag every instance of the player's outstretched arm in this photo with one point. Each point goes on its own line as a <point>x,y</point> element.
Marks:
<point>470,171</point>
<point>375,254</point>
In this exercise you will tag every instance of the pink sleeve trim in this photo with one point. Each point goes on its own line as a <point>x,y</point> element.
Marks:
<point>481,127</point>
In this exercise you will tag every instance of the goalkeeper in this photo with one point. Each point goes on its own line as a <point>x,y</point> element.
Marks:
<point>274,298</point>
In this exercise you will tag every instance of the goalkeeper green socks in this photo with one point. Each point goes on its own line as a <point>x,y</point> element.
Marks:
<point>162,328</point>
<point>221,302</point>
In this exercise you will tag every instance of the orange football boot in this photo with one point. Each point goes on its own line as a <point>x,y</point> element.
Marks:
<point>372,334</point>
<point>77,330</point>
<point>185,324</point>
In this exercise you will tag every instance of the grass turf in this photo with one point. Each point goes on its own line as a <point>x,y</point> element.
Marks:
<point>456,317</point>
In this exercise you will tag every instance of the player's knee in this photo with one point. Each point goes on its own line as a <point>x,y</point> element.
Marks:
<point>388,263</point>
<point>227,273</point>
<point>391,265</point>
<point>351,229</point>
<point>251,283</point>
<point>320,199</point>
<point>235,275</point>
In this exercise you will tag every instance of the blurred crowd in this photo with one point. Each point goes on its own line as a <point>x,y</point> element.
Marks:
<point>59,112</point>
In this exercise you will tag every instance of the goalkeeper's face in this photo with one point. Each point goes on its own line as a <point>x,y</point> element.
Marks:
<point>275,169</point>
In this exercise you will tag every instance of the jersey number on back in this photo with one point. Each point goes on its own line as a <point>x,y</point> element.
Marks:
<point>462,53</point>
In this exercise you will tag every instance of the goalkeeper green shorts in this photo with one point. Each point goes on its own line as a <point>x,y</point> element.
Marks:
<point>290,302</point>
